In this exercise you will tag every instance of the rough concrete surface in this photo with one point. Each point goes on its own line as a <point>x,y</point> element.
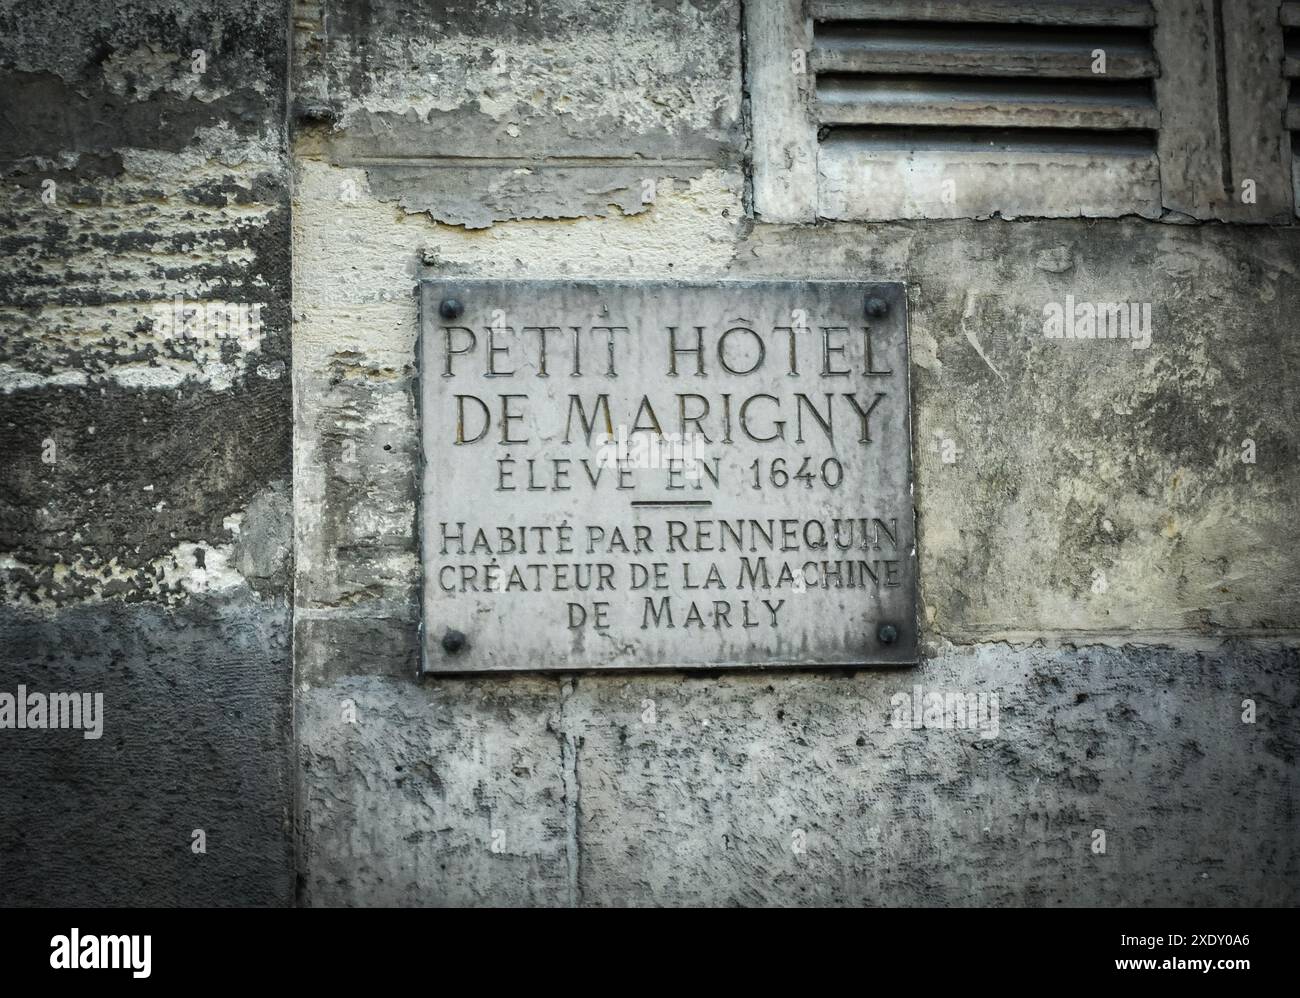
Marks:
<point>145,504</point>
<point>686,789</point>
<point>195,721</point>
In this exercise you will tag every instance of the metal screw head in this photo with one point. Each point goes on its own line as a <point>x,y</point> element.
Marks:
<point>453,642</point>
<point>877,308</point>
<point>887,633</point>
<point>450,308</point>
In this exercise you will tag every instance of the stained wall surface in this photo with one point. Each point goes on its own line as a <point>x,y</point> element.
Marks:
<point>146,493</point>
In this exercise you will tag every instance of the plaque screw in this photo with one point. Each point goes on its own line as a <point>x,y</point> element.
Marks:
<point>877,308</point>
<point>453,642</point>
<point>450,309</point>
<point>887,634</point>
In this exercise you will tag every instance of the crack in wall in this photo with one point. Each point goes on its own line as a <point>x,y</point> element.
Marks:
<point>569,745</point>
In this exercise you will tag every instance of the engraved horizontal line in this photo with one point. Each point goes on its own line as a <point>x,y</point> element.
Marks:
<point>695,503</point>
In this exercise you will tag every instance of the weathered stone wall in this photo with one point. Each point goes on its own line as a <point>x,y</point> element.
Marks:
<point>1097,556</point>
<point>145,503</point>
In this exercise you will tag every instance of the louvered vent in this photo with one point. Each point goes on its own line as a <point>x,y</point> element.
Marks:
<point>1005,95</point>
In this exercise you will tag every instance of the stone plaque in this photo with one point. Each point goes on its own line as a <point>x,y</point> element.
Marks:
<point>630,475</point>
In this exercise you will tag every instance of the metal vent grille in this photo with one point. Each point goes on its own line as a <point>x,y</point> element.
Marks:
<point>938,108</point>
<point>1010,67</point>
<point>904,109</point>
<point>1290,18</point>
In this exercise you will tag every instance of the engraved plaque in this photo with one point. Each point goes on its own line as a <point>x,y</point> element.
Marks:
<point>628,475</point>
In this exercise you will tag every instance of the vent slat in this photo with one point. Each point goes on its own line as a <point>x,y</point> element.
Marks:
<point>967,103</point>
<point>1006,51</point>
<point>1116,13</point>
